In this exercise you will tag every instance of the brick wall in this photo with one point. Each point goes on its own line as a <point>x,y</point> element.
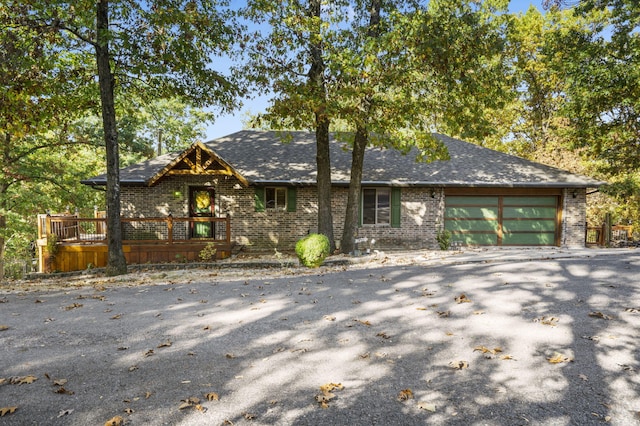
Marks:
<point>574,218</point>
<point>422,214</point>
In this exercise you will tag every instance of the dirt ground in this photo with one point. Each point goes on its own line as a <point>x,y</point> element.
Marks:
<point>473,339</point>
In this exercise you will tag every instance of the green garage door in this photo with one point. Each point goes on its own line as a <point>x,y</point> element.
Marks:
<point>502,220</point>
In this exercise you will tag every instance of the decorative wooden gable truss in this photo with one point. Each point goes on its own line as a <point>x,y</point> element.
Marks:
<point>197,160</point>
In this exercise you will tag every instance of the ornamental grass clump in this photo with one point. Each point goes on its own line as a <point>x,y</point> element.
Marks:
<point>312,250</point>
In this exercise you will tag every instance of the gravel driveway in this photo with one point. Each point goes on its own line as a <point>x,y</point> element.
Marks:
<point>546,342</point>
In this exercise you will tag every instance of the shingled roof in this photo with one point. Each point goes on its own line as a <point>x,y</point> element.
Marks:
<point>264,157</point>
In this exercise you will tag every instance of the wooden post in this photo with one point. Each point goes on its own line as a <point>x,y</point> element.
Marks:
<point>170,228</point>
<point>47,228</point>
<point>228,228</point>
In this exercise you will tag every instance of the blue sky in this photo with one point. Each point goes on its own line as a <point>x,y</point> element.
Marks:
<point>231,123</point>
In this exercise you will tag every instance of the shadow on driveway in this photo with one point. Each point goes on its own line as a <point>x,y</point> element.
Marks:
<point>265,344</point>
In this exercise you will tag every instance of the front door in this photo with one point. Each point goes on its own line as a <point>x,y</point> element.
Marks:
<point>201,204</point>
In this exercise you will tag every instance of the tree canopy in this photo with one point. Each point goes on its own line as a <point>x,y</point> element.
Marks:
<point>155,49</point>
<point>109,82</point>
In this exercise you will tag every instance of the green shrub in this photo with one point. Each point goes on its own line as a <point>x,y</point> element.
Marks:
<point>312,250</point>
<point>208,253</point>
<point>444,239</point>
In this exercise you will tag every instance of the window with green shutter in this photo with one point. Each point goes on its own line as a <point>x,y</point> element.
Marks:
<point>395,207</point>
<point>275,198</point>
<point>376,207</point>
<point>259,199</point>
<point>291,199</point>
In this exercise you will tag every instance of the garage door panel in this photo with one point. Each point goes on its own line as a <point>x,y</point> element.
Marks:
<point>529,201</point>
<point>529,239</point>
<point>476,239</point>
<point>472,212</point>
<point>472,225</point>
<point>529,225</point>
<point>465,200</point>
<point>529,212</point>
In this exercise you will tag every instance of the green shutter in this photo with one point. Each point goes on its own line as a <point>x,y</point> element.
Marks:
<point>259,199</point>
<point>395,207</point>
<point>291,199</point>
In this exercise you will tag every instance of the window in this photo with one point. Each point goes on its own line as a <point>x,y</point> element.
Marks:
<point>376,206</point>
<point>275,198</point>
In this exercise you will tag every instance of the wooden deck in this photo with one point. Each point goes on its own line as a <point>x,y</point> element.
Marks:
<point>67,242</point>
<point>618,235</point>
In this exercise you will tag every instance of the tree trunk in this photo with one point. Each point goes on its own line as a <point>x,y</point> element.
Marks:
<point>116,263</point>
<point>4,186</point>
<point>360,142</point>
<point>323,158</point>
<point>353,198</point>
<point>323,165</point>
<point>3,229</point>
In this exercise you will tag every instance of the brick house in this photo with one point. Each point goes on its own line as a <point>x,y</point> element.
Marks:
<point>266,185</point>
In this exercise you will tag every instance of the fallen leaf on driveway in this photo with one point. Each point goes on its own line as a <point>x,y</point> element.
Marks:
<point>459,365</point>
<point>405,395</point>
<point>324,398</point>
<point>329,317</point>
<point>165,344</point>
<point>73,306</point>
<point>65,413</point>
<point>8,410</point>
<point>22,380</point>
<point>4,327</point>
<point>632,310</point>
<point>443,314</point>
<point>60,382</point>
<point>192,402</point>
<point>212,396</point>
<point>583,377</point>
<point>114,421</point>
<point>328,387</point>
<point>599,314</point>
<point>552,321</point>
<point>462,299</point>
<point>62,390</point>
<point>558,358</point>
<point>148,353</point>
<point>326,394</point>
<point>427,406</point>
<point>485,350</point>
<point>627,367</point>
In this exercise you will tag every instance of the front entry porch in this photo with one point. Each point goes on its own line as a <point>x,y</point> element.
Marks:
<point>67,242</point>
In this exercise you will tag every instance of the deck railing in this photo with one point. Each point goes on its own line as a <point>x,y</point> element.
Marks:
<point>620,235</point>
<point>70,228</point>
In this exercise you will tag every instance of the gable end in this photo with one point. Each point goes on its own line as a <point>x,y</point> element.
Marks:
<point>197,160</point>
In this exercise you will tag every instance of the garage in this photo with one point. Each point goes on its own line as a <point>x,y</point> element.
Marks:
<point>503,219</point>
